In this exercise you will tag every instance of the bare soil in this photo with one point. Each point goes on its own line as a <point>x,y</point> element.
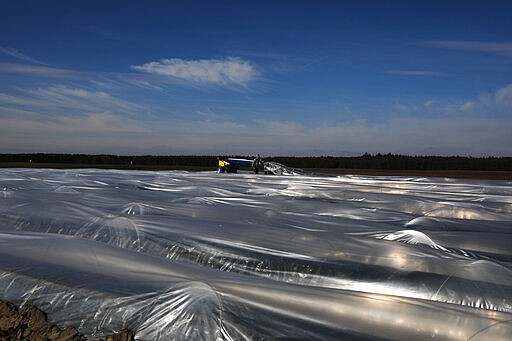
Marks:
<point>30,323</point>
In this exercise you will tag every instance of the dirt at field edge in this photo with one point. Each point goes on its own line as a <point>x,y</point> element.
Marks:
<point>30,323</point>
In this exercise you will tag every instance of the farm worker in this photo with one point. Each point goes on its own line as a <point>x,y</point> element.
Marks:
<point>256,163</point>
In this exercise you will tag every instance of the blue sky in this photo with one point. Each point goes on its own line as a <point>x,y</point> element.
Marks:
<point>270,77</point>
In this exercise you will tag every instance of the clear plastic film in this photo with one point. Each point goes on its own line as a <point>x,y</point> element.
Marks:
<point>207,256</point>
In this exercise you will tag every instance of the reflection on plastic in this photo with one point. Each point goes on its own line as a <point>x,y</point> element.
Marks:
<point>203,256</point>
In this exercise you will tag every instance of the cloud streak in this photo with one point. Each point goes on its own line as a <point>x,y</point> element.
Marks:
<point>105,132</point>
<point>503,97</point>
<point>224,72</point>
<point>37,71</point>
<point>492,104</point>
<point>61,97</point>
<point>98,97</point>
<point>504,48</point>
<point>414,73</point>
<point>90,133</point>
<point>18,55</point>
<point>65,119</point>
<point>404,135</point>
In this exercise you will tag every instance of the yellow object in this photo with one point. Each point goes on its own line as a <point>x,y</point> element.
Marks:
<point>223,163</point>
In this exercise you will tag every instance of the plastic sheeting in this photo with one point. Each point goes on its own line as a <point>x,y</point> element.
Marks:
<point>207,256</point>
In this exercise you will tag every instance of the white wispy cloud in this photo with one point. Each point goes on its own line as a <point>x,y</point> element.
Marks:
<point>225,72</point>
<point>504,48</point>
<point>37,70</point>
<point>414,73</point>
<point>103,122</point>
<point>429,104</point>
<point>20,101</point>
<point>106,80</point>
<point>208,114</point>
<point>400,107</point>
<point>468,106</point>
<point>503,97</point>
<point>106,132</point>
<point>18,55</point>
<point>90,133</point>
<point>282,128</point>
<point>489,104</point>
<point>64,97</point>
<point>65,102</point>
<point>496,103</point>
<point>404,135</point>
<point>66,119</point>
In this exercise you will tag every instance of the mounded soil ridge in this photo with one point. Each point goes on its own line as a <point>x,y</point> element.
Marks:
<point>30,323</point>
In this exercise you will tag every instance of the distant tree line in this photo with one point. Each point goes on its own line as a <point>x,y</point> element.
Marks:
<point>366,161</point>
<point>400,162</point>
<point>106,159</point>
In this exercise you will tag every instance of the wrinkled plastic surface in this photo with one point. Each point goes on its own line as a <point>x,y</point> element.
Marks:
<point>207,256</point>
<point>279,169</point>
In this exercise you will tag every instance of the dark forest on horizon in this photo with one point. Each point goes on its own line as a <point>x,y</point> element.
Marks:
<point>366,161</point>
